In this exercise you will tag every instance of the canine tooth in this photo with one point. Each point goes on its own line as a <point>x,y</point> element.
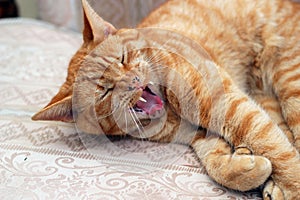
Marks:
<point>142,99</point>
<point>151,83</point>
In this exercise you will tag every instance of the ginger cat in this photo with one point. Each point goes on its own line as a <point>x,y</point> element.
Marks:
<point>253,110</point>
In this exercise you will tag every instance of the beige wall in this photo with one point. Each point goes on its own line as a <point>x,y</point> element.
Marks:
<point>27,8</point>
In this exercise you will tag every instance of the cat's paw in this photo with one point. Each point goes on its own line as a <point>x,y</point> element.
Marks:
<point>249,171</point>
<point>272,191</point>
<point>275,191</point>
<point>242,151</point>
<point>297,145</point>
<point>241,170</point>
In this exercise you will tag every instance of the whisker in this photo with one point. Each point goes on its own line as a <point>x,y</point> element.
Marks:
<point>157,57</point>
<point>154,70</point>
<point>138,124</point>
<point>160,68</point>
<point>112,112</point>
<point>133,118</point>
<point>117,118</point>
<point>126,121</point>
<point>143,135</point>
<point>151,58</point>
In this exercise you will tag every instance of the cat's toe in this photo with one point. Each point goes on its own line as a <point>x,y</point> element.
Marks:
<point>252,171</point>
<point>240,150</point>
<point>259,165</point>
<point>272,191</point>
<point>244,172</point>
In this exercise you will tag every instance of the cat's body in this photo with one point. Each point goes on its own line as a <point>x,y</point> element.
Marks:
<point>256,47</point>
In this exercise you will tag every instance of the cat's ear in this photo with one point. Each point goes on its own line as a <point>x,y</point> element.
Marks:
<point>59,111</point>
<point>95,28</point>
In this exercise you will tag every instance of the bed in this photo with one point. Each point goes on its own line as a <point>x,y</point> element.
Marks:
<point>51,160</point>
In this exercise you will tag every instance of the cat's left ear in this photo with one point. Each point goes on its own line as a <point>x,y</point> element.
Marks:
<point>95,28</point>
<point>59,111</point>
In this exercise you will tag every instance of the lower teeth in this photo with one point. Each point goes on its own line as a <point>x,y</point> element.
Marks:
<point>137,110</point>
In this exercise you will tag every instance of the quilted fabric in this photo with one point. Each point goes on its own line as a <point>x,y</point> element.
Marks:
<point>50,160</point>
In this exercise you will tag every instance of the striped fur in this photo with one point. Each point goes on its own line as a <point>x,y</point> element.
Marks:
<point>253,108</point>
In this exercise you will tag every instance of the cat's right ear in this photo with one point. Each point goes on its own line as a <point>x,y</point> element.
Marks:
<point>95,28</point>
<point>58,111</point>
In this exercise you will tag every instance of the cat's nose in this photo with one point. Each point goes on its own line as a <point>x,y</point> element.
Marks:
<point>136,79</point>
<point>137,83</point>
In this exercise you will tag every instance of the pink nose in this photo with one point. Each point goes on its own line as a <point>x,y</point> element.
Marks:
<point>136,83</point>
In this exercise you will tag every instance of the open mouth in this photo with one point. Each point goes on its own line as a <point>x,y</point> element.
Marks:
<point>149,103</point>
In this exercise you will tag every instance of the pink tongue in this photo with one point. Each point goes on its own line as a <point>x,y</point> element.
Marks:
<point>153,104</point>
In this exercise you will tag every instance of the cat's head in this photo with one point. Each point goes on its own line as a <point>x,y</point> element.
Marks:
<point>119,88</point>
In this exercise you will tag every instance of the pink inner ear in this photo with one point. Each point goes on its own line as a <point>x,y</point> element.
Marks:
<point>109,29</point>
<point>99,28</point>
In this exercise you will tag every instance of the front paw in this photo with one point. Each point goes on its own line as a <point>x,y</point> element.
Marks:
<point>250,170</point>
<point>240,171</point>
<point>297,144</point>
<point>272,191</point>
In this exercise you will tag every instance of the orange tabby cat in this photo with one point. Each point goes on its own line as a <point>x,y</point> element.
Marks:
<point>253,109</point>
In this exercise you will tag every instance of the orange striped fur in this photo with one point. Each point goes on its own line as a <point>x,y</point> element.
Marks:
<point>253,113</point>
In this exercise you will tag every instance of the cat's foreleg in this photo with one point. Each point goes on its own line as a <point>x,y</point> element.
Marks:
<point>246,124</point>
<point>286,84</point>
<point>271,105</point>
<point>218,105</point>
<point>237,169</point>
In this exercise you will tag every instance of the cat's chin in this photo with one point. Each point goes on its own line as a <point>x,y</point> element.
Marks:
<point>144,125</point>
<point>149,126</point>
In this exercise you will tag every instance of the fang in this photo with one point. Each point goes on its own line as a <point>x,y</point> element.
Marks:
<point>142,99</point>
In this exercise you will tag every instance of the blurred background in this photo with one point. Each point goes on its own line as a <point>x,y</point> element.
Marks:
<point>22,8</point>
<point>68,13</point>
<point>27,8</point>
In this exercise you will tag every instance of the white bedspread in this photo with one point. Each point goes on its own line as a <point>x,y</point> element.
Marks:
<point>50,160</point>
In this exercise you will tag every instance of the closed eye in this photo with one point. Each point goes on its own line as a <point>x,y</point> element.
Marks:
<point>102,92</point>
<point>109,90</point>
<point>123,58</point>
